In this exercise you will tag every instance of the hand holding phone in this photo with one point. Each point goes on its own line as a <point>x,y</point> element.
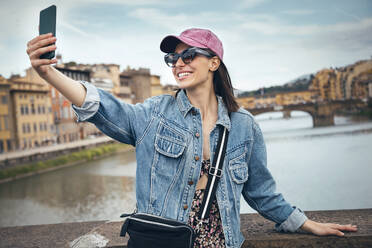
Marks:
<point>48,25</point>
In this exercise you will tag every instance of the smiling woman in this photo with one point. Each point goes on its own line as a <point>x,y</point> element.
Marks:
<point>197,152</point>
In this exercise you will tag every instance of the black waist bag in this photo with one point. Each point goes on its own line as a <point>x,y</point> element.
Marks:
<point>150,231</point>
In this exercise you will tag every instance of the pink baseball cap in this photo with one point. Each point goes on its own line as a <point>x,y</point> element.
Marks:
<point>197,37</point>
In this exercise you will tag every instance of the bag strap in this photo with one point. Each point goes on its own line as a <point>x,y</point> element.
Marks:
<point>214,175</point>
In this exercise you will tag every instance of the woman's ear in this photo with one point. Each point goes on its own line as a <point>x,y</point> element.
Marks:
<point>214,63</point>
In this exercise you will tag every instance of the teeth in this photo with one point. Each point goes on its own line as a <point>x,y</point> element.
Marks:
<point>183,74</point>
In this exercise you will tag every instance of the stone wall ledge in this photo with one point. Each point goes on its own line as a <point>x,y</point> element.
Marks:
<point>257,231</point>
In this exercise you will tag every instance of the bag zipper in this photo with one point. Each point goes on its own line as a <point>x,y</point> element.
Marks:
<point>131,214</point>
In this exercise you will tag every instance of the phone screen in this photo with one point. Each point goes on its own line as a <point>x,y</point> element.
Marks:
<point>48,25</point>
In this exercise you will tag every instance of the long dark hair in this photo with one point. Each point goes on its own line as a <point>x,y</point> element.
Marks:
<point>223,86</point>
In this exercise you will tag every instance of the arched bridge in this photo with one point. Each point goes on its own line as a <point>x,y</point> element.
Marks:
<point>322,112</point>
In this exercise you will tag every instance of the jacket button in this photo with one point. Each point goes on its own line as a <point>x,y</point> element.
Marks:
<point>197,135</point>
<point>193,112</point>
<point>196,158</point>
<point>185,207</point>
<point>190,182</point>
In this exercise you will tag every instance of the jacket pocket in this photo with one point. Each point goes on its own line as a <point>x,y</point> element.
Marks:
<point>169,141</point>
<point>238,170</point>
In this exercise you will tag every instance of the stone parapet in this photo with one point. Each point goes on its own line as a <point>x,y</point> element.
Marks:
<point>257,231</point>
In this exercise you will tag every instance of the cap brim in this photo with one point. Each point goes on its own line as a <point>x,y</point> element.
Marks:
<point>170,42</point>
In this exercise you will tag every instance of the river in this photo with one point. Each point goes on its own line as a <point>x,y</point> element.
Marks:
<point>320,168</point>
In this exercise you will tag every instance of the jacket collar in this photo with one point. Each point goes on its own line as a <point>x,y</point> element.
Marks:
<point>185,107</point>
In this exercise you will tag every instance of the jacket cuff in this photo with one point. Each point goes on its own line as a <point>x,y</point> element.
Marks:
<point>295,220</point>
<point>90,105</point>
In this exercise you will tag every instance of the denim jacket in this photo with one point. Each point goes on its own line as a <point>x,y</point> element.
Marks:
<point>167,134</point>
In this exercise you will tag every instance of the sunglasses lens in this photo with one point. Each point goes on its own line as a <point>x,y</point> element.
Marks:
<point>188,56</point>
<point>171,59</point>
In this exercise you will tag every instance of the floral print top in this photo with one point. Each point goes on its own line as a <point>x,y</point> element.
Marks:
<point>209,233</point>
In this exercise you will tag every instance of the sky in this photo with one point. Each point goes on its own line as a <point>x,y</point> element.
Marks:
<point>266,42</point>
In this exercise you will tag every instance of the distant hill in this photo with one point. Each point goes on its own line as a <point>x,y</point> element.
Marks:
<point>298,84</point>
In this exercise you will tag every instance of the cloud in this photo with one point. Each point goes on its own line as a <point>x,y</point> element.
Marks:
<point>73,28</point>
<point>180,21</point>
<point>260,48</point>
<point>298,12</point>
<point>159,18</point>
<point>348,14</point>
<point>120,2</point>
<point>250,3</point>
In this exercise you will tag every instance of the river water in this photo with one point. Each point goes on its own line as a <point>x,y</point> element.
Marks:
<point>320,168</point>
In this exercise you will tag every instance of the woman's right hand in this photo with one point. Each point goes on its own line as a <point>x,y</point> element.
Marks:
<point>37,47</point>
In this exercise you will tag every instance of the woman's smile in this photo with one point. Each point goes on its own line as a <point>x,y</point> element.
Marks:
<point>182,75</point>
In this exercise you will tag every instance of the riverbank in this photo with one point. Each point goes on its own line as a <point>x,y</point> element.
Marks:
<point>29,169</point>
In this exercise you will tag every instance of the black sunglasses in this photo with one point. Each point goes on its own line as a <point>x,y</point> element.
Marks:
<point>187,56</point>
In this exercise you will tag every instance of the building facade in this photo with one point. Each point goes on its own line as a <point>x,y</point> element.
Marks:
<point>32,113</point>
<point>349,82</point>
<point>7,139</point>
<point>125,92</point>
<point>156,87</point>
<point>66,127</point>
<point>140,83</point>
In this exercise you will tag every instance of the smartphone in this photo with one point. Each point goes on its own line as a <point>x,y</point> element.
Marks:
<point>48,25</point>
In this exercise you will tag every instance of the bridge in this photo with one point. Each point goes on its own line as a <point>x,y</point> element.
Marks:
<point>322,112</point>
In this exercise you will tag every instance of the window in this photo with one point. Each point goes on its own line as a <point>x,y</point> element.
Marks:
<point>38,109</point>
<point>28,128</point>
<point>35,127</point>
<point>32,108</point>
<point>26,109</point>
<point>9,145</point>
<point>22,110</point>
<point>23,128</point>
<point>4,99</point>
<point>6,122</point>
<point>40,127</point>
<point>43,108</point>
<point>45,126</point>
<point>0,124</point>
<point>1,146</point>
